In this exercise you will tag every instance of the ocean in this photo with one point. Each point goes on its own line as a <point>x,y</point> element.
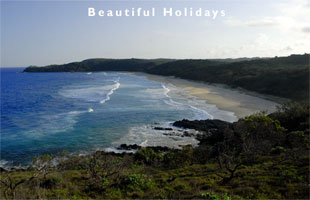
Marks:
<point>47,113</point>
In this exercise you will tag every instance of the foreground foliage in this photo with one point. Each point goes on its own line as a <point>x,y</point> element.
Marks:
<point>258,157</point>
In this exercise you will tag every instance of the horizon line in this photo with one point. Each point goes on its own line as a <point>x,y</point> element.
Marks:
<point>254,57</point>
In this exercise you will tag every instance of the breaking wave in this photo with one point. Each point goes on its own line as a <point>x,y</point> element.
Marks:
<point>115,87</point>
<point>199,113</point>
<point>100,94</point>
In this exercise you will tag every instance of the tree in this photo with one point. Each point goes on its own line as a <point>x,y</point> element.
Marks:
<point>102,167</point>
<point>251,136</point>
<point>258,134</point>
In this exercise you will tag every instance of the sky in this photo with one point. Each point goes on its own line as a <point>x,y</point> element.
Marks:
<point>47,32</point>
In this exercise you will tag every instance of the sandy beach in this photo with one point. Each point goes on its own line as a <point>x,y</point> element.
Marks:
<point>242,103</point>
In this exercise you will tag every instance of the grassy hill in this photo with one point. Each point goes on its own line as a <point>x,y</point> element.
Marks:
<point>286,77</point>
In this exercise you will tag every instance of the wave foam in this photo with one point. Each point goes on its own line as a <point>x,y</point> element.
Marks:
<point>147,136</point>
<point>4,164</point>
<point>107,98</point>
<point>115,150</point>
<point>199,113</point>
<point>92,93</point>
<point>8,165</point>
<point>51,124</point>
<point>167,90</point>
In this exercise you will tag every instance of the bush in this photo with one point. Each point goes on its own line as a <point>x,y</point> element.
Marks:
<point>297,139</point>
<point>139,182</point>
<point>259,133</point>
<point>293,116</point>
<point>210,195</point>
<point>179,158</point>
<point>149,156</point>
<point>51,182</point>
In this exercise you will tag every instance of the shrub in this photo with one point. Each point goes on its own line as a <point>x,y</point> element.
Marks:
<point>259,133</point>
<point>51,182</point>
<point>149,156</point>
<point>293,116</point>
<point>211,196</point>
<point>139,182</point>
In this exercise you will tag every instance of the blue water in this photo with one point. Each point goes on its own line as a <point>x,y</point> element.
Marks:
<point>74,112</point>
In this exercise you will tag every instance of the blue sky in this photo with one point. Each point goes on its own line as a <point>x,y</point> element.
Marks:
<point>55,32</point>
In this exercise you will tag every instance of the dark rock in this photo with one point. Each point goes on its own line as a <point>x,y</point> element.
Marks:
<point>202,125</point>
<point>17,169</point>
<point>211,130</point>
<point>163,129</point>
<point>3,170</point>
<point>172,134</point>
<point>137,147</point>
<point>187,134</point>
<point>112,153</point>
<point>128,147</point>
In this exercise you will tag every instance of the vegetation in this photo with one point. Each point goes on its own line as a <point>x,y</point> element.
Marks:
<point>258,157</point>
<point>286,77</point>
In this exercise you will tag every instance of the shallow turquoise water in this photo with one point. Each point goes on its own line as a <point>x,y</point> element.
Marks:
<point>75,112</point>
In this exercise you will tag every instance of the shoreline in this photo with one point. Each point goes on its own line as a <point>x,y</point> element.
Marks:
<point>225,99</point>
<point>239,101</point>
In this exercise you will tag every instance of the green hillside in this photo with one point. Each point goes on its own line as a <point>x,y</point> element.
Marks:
<point>286,77</point>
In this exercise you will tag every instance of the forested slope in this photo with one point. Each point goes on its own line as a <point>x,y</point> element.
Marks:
<point>286,77</point>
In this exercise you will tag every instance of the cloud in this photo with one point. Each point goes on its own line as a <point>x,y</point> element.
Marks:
<point>287,49</point>
<point>306,29</point>
<point>262,39</point>
<point>263,22</point>
<point>291,16</point>
<point>282,31</point>
<point>267,21</point>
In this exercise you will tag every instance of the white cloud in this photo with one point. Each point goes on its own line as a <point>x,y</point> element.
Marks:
<point>292,16</point>
<point>283,32</point>
<point>306,29</point>
<point>287,49</point>
<point>267,21</point>
<point>262,39</point>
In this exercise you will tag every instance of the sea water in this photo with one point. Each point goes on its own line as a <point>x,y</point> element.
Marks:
<point>83,112</point>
